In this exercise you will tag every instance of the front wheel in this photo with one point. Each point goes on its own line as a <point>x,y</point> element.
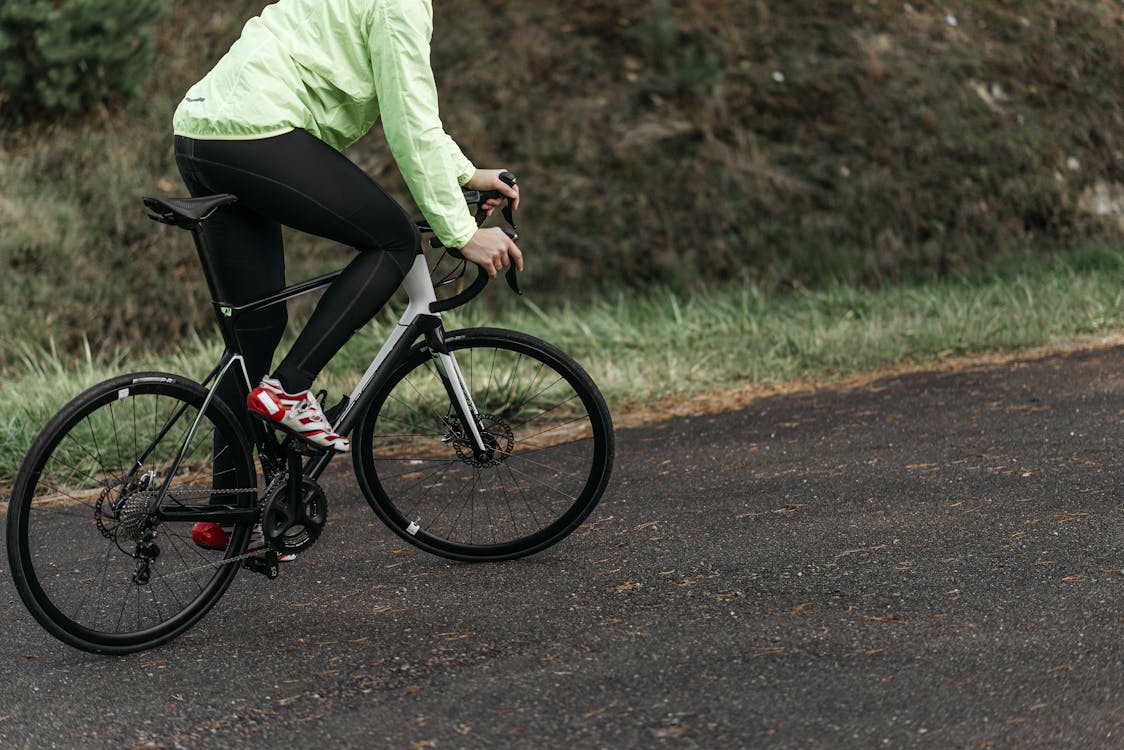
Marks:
<point>549,438</point>
<point>95,562</point>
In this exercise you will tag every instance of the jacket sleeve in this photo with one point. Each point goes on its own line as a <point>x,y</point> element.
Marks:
<point>431,163</point>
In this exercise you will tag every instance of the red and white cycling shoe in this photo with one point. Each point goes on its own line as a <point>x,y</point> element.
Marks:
<point>299,414</point>
<point>214,536</point>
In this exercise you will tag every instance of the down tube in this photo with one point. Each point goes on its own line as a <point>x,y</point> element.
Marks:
<point>396,348</point>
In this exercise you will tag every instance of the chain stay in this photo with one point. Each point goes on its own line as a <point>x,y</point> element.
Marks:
<point>277,479</point>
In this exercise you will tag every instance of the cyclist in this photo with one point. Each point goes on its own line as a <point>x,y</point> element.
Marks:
<point>305,80</point>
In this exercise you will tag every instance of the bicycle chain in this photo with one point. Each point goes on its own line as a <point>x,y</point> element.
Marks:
<point>277,479</point>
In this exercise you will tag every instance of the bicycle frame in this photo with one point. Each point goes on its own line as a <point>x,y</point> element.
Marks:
<point>416,321</point>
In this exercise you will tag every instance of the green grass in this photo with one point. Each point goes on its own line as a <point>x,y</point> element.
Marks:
<point>644,348</point>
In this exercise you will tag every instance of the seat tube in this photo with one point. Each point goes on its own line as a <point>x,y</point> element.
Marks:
<point>224,312</point>
<point>203,250</point>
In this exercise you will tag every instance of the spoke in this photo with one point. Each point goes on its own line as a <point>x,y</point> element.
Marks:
<point>113,422</point>
<point>536,481</point>
<point>121,614</point>
<point>548,467</point>
<point>422,399</point>
<point>488,508</point>
<point>544,412</point>
<point>60,451</point>
<point>470,495</point>
<point>172,539</point>
<point>510,510</point>
<point>560,425</point>
<point>102,577</point>
<point>531,386</point>
<point>133,403</point>
<point>411,424</point>
<point>526,448</point>
<point>52,511</point>
<point>444,466</point>
<point>155,601</point>
<point>94,439</point>
<point>48,499</point>
<point>492,370</point>
<point>526,501</point>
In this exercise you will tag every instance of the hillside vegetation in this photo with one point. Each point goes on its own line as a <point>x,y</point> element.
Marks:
<point>657,142</point>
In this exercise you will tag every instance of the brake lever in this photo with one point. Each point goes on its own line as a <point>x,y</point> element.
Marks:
<point>508,179</point>
<point>511,274</point>
<point>479,197</point>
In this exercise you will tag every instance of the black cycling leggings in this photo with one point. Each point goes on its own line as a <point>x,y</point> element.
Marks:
<point>298,181</point>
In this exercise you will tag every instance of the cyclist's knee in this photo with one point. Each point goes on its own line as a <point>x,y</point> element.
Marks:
<point>402,238</point>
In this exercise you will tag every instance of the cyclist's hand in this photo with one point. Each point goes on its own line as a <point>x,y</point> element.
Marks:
<point>489,179</point>
<point>492,250</point>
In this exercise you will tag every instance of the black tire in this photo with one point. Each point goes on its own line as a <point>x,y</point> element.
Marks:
<point>78,514</point>
<point>553,439</point>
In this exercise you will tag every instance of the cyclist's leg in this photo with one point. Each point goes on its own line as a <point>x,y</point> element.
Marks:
<point>249,261</point>
<point>300,181</point>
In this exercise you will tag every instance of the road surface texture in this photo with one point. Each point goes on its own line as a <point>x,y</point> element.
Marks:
<point>930,560</point>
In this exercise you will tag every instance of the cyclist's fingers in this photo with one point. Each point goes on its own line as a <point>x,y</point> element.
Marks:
<point>510,192</point>
<point>513,194</point>
<point>516,256</point>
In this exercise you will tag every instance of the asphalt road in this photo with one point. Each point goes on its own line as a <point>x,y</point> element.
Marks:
<point>932,560</point>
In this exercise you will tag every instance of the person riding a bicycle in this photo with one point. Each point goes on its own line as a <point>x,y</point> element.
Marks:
<point>140,500</point>
<point>305,80</point>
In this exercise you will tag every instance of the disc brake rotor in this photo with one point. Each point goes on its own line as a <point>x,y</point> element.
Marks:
<point>499,440</point>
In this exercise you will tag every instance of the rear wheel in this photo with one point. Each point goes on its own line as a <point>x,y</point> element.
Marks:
<point>95,566</point>
<point>549,438</point>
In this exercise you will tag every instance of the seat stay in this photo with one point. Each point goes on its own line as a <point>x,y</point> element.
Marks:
<point>225,365</point>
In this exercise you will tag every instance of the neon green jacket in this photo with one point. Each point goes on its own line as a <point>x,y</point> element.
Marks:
<point>332,67</point>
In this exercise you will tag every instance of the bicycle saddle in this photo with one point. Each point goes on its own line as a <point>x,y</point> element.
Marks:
<point>185,212</point>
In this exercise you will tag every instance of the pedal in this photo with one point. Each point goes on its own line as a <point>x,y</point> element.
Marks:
<point>265,565</point>
<point>300,447</point>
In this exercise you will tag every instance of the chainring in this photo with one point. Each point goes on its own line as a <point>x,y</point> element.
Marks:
<point>292,533</point>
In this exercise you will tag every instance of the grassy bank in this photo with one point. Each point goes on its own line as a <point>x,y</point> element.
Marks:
<point>643,349</point>
<point>657,142</point>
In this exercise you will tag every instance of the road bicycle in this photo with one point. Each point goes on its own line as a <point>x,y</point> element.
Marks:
<point>480,444</point>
